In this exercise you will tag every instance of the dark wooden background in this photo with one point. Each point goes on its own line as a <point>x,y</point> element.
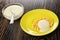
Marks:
<point>14,32</point>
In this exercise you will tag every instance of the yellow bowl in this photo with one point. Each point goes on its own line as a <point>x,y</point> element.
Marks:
<point>28,18</point>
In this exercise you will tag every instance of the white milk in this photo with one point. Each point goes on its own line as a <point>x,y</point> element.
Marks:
<point>13,12</point>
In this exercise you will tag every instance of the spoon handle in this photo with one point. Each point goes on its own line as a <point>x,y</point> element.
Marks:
<point>12,20</point>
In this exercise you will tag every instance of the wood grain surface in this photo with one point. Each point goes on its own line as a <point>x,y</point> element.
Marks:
<point>14,31</point>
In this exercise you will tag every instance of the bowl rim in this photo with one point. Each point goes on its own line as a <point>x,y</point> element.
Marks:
<point>42,34</point>
<point>19,4</point>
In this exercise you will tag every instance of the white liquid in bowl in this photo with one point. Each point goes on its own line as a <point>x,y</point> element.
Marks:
<point>13,12</point>
<point>15,9</point>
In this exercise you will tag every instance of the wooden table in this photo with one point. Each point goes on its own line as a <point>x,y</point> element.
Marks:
<point>14,32</point>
